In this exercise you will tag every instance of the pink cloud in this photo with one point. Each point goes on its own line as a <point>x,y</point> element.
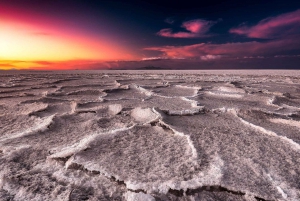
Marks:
<point>254,48</point>
<point>195,29</point>
<point>273,27</point>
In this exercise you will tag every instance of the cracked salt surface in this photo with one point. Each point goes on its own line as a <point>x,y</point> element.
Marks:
<point>152,136</point>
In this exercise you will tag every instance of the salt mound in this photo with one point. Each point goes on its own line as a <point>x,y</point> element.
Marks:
<point>143,115</point>
<point>114,109</point>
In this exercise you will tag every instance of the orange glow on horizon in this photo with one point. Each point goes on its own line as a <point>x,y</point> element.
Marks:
<point>26,37</point>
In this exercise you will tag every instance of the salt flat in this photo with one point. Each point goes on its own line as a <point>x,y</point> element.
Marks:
<point>150,135</point>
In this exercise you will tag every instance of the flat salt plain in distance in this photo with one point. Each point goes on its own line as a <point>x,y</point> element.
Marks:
<point>150,135</point>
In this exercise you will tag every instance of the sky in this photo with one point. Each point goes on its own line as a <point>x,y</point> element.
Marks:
<point>91,34</point>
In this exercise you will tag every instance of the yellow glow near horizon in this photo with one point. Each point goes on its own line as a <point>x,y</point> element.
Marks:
<point>26,43</point>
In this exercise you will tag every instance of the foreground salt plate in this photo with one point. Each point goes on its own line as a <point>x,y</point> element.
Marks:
<point>143,154</point>
<point>152,136</point>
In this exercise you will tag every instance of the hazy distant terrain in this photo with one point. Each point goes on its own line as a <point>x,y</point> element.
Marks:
<point>150,135</point>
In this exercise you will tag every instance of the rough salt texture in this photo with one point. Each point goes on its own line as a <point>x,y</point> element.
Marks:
<point>156,135</point>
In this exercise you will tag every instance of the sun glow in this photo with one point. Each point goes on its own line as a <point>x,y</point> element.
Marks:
<point>35,40</point>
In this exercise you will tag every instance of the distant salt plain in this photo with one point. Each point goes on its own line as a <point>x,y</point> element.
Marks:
<point>150,135</point>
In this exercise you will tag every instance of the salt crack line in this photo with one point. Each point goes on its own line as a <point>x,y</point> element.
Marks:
<point>190,142</point>
<point>292,143</point>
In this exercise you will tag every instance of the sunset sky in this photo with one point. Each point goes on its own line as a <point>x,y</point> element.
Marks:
<point>86,34</point>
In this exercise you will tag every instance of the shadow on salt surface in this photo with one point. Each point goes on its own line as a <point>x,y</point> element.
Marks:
<point>287,102</point>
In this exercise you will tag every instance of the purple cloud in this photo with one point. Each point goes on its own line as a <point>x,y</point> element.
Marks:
<point>215,51</point>
<point>195,29</point>
<point>272,27</point>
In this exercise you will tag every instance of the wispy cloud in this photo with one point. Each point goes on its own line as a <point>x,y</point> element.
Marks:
<point>194,29</point>
<point>273,27</point>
